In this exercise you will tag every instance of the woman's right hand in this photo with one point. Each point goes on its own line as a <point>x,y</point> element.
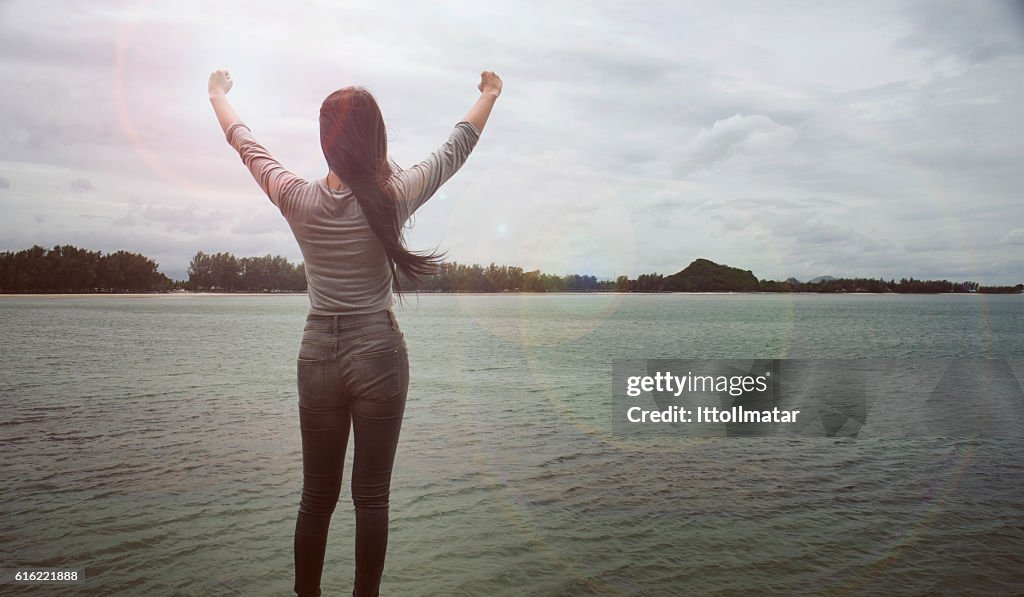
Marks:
<point>490,83</point>
<point>220,82</point>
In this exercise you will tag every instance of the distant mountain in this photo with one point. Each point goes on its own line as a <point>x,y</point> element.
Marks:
<point>707,276</point>
<point>793,281</point>
<point>820,279</point>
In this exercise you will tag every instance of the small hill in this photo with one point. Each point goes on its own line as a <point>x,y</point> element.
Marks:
<point>707,276</point>
<point>820,279</point>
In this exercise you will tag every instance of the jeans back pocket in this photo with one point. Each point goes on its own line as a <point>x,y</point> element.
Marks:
<point>379,367</point>
<point>312,365</point>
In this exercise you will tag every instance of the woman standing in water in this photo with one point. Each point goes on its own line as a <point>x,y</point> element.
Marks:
<point>352,365</point>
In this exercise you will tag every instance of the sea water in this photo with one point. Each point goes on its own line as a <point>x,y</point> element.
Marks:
<point>152,444</point>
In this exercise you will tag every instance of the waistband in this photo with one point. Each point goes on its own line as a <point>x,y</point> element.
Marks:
<point>342,321</point>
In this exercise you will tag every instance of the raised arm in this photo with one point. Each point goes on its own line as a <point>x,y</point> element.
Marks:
<point>276,181</point>
<point>490,89</point>
<point>417,184</point>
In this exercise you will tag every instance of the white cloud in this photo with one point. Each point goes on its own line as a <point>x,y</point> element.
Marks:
<point>1014,237</point>
<point>737,136</point>
<point>80,185</point>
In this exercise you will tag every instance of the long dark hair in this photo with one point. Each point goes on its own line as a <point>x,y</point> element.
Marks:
<point>355,144</point>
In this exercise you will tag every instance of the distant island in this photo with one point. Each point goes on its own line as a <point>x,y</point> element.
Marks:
<point>69,269</point>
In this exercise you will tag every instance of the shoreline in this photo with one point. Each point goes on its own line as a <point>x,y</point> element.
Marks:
<point>421,293</point>
<point>142,294</point>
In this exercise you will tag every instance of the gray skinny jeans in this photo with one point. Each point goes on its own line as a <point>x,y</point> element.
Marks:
<point>353,372</point>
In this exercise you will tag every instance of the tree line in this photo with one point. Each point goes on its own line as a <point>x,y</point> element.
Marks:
<point>904,286</point>
<point>700,276</point>
<point>66,268</point>
<point>658,283</point>
<point>460,277</point>
<point>225,272</point>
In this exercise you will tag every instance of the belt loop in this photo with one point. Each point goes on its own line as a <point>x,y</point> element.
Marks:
<point>335,319</point>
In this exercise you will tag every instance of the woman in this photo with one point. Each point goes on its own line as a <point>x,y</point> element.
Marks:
<point>352,366</point>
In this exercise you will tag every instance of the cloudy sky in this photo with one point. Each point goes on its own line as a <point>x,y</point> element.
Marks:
<point>789,138</point>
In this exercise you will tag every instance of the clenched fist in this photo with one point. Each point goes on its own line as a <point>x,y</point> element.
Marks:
<point>220,82</point>
<point>490,83</point>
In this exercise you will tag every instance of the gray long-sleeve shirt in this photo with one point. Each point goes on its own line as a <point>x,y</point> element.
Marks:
<point>346,267</point>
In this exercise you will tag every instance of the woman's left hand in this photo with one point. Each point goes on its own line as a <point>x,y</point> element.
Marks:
<point>220,82</point>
